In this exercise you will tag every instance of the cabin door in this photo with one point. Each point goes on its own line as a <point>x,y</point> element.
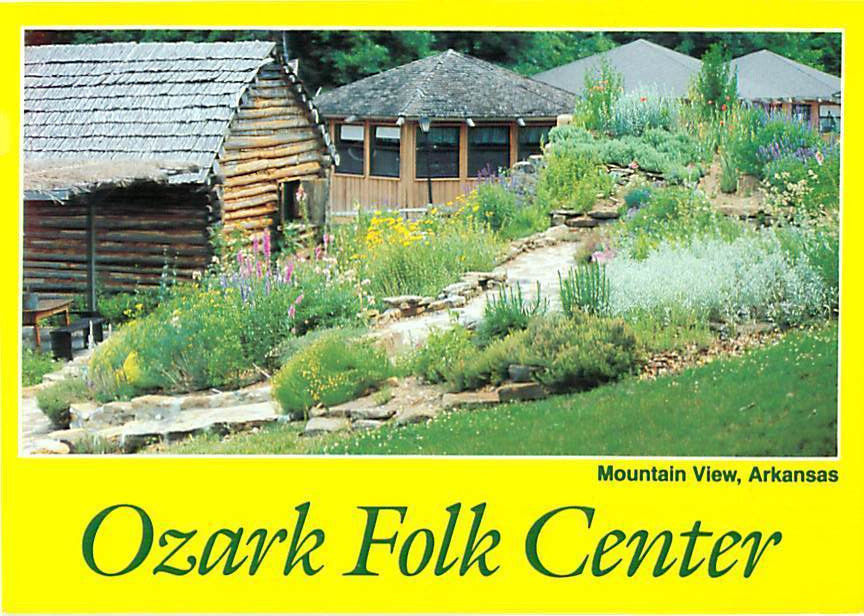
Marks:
<point>288,207</point>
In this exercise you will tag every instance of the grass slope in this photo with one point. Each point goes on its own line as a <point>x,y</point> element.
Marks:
<point>775,401</point>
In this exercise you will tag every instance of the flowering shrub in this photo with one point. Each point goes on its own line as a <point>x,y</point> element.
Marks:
<point>334,368</point>
<point>603,87</point>
<point>571,179</point>
<point>421,257</point>
<point>762,138</point>
<point>637,111</point>
<point>749,277</point>
<point>715,89</point>
<point>673,215</point>
<point>226,329</point>
<point>810,187</point>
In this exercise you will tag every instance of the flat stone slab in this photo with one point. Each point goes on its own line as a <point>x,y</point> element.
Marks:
<point>367,424</point>
<point>326,425</point>
<point>521,391</point>
<point>417,414</point>
<point>198,420</point>
<point>49,446</point>
<point>470,398</point>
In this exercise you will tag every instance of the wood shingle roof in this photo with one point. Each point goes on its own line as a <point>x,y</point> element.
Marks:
<point>449,85</point>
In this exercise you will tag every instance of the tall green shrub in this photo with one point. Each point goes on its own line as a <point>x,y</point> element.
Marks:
<point>715,89</point>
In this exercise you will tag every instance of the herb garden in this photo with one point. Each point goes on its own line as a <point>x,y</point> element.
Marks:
<point>676,329</point>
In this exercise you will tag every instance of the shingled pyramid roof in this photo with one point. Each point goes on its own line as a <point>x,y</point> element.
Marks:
<point>449,85</point>
<point>765,75</point>
<point>157,108</point>
<point>640,62</point>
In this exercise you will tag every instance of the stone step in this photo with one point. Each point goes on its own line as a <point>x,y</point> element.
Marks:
<point>223,419</point>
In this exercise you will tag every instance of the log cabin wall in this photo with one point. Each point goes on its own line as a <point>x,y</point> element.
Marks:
<point>271,140</point>
<point>138,232</point>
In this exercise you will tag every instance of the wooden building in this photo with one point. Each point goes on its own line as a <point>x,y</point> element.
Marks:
<point>778,83</point>
<point>134,152</point>
<point>433,125</point>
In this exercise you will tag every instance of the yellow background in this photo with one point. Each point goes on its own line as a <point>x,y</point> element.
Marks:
<point>47,502</point>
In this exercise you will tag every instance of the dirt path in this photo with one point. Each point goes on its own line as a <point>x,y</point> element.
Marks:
<point>527,269</point>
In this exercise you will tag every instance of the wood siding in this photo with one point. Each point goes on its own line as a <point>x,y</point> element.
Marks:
<point>271,140</point>
<point>366,192</point>
<point>138,232</point>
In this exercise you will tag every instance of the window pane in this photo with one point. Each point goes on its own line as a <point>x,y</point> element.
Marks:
<point>829,118</point>
<point>349,144</point>
<point>442,144</point>
<point>385,152</point>
<point>488,149</point>
<point>802,113</point>
<point>530,138</point>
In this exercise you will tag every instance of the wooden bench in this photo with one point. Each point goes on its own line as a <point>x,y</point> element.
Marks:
<point>61,338</point>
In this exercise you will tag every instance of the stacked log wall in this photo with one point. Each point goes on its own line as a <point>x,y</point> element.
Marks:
<point>272,139</point>
<point>138,232</point>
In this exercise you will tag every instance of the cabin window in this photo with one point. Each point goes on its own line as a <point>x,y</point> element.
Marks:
<point>385,151</point>
<point>801,113</point>
<point>442,143</point>
<point>349,144</point>
<point>829,118</point>
<point>531,139</point>
<point>488,150</point>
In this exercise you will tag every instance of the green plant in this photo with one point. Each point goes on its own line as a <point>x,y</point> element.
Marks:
<point>715,88</point>
<point>35,365</point>
<point>569,353</point>
<point>585,288</point>
<point>637,197</point>
<point>442,348</point>
<point>572,179</point>
<point>54,400</point>
<point>674,215</point>
<point>119,308</point>
<point>641,109</point>
<point>508,310</point>
<point>382,396</point>
<point>333,369</point>
<point>602,89</point>
<point>496,206</point>
<point>728,174</point>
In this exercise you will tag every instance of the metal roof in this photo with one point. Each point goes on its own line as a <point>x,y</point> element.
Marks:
<point>765,75</point>
<point>640,62</point>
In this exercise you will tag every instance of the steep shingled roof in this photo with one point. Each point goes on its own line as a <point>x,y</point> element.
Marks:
<point>447,85</point>
<point>640,62</point>
<point>768,76</point>
<point>138,101</point>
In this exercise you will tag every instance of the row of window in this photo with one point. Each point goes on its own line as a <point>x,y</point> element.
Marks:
<point>437,150</point>
<point>829,115</point>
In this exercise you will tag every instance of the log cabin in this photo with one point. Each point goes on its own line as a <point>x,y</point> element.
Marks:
<point>134,153</point>
<point>424,132</point>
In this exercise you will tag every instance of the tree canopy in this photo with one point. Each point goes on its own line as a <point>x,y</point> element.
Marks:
<point>330,58</point>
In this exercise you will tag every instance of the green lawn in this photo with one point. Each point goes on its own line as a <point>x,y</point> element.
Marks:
<point>776,401</point>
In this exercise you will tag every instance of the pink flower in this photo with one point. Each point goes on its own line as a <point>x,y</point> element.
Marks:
<point>289,271</point>
<point>267,245</point>
<point>819,158</point>
<point>298,300</point>
<point>633,165</point>
<point>291,312</point>
<point>255,244</point>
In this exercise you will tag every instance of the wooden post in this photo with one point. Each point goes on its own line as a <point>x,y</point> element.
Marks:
<point>91,256</point>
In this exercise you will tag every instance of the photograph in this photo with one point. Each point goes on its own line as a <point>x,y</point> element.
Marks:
<point>370,242</point>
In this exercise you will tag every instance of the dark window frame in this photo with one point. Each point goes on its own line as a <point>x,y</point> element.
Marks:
<point>345,150</point>
<point>524,149</point>
<point>438,150</point>
<point>487,150</point>
<point>385,145</point>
